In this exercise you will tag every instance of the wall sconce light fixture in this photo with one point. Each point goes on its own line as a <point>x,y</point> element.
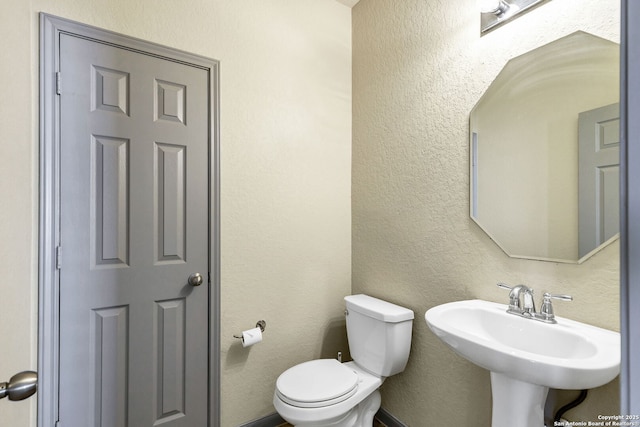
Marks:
<point>494,13</point>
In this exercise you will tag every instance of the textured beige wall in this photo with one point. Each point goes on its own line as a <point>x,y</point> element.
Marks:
<point>18,214</point>
<point>419,68</point>
<point>286,162</point>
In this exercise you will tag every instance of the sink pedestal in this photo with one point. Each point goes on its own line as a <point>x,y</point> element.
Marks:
<point>517,403</point>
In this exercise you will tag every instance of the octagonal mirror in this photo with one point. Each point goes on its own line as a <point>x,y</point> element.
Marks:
<point>545,151</point>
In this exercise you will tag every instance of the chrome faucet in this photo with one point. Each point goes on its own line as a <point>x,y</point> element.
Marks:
<point>526,306</point>
<point>516,304</point>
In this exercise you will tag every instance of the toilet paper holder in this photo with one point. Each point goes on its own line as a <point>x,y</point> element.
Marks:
<point>259,324</point>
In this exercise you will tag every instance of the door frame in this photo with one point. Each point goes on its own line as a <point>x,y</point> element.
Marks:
<point>630,207</point>
<point>51,27</point>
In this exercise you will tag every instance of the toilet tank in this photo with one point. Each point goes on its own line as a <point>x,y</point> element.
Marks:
<point>379,334</point>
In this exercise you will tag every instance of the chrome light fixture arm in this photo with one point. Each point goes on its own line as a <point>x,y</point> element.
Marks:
<point>494,13</point>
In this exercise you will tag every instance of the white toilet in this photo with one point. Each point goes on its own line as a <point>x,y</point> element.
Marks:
<point>325,392</point>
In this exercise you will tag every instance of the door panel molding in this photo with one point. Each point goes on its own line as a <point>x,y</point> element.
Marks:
<point>110,91</point>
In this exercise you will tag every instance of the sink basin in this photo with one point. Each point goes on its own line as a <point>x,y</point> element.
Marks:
<point>566,355</point>
<point>526,357</point>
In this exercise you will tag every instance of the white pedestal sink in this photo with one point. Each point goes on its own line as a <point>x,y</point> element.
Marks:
<point>526,357</point>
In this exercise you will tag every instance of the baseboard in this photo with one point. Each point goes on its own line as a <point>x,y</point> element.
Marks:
<point>388,419</point>
<point>272,420</point>
<point>275,420</point>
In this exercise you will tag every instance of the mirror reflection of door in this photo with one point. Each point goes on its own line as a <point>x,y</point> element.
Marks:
<point>598,176</point>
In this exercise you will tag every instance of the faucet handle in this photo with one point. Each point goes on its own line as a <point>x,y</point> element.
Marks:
<point>546,311</point>
<point>547,295</point>
<point>514,296</point>
<point>504,286</point>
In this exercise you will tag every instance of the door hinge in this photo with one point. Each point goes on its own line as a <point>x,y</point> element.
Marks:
<point>58,258</point>
<point>58,83</point>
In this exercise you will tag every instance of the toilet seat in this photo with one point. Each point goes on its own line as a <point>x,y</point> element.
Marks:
<point>316,384</point>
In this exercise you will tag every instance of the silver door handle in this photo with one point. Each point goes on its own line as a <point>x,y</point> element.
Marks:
<point>195,279</point>
<point>21,386</point>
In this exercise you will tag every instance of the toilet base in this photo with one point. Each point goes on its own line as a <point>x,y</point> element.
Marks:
<point>367,409</point>
<point>360,416</point>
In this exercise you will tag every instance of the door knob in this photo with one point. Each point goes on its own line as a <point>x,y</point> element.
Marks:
<point>20,386</point>
<point>195,279</point>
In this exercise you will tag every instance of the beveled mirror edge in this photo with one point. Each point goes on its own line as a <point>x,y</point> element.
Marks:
<point>597,250</point>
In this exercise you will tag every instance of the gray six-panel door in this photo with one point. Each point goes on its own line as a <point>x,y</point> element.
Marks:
<point>134,226</point>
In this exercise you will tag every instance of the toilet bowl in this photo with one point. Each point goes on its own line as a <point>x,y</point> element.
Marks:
<point>328,393</point>
<point>325,392</point>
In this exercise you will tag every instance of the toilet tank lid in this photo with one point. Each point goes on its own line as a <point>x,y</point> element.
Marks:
<point>377,308</point>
